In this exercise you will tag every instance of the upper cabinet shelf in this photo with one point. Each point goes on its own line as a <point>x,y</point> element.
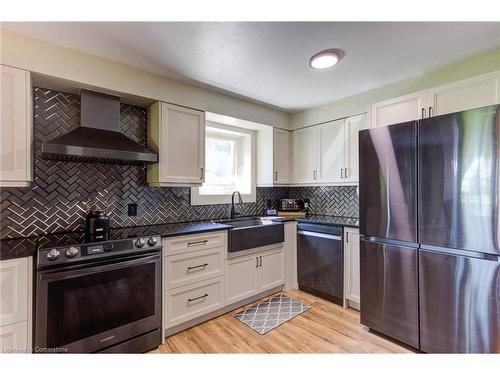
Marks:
<point>177,135</point>
<point>478,91</point>
<point>16,128</point>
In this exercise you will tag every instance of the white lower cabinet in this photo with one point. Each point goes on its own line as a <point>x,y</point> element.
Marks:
<point>290,255</point>
<point>15,305</point>
<point>242,278</point>
<point>252,274</point>
<point>271,270</point>
<point>193,276</point>
<point>351,267</point>
<point>14,338</point>
<point>201,282</point>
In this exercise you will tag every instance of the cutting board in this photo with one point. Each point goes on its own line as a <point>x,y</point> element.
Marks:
<point>292,213</point>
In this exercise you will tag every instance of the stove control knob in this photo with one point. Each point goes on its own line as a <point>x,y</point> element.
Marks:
<point>52,254</point>
<point>152,241</point>
<point>140,243</point>
<point>71,252</point>
<point>108,246</point>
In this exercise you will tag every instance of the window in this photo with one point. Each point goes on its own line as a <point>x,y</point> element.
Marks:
<point>229,165</point>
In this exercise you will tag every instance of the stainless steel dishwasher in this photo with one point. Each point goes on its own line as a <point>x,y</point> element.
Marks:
<point>320,261</point>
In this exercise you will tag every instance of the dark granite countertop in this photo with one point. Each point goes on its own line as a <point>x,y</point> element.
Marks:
<point>17,248</point>
<point>25,247</point>
<point>175,229</point>
<point>330,220</point>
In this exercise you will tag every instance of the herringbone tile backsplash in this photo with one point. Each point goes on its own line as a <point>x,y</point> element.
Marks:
<point>329,200</point>
<point>62,191</point>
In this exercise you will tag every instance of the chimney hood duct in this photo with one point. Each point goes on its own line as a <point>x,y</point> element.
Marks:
<point>98,139</point>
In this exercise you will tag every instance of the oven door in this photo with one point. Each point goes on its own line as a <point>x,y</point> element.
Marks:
<point>86,308</point>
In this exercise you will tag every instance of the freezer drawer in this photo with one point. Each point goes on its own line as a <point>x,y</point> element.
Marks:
<point>389,296</point>
<point>387,182</point>
<point>459,304</point>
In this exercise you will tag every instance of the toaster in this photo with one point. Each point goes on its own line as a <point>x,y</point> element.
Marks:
<point>290,205</point>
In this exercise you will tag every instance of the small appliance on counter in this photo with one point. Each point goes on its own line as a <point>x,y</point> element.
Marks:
<point>290,205</point>
<point>291,208</point>
<point>96,226</point>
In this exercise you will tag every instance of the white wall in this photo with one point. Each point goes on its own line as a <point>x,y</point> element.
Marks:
<point>356,104</point>
<point>42,57</point>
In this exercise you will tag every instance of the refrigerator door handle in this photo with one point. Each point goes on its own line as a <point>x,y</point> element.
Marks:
<point>388,241</point>
<point>460,252</point>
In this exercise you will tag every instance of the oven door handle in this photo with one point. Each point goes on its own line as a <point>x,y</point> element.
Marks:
<point>67,274</point>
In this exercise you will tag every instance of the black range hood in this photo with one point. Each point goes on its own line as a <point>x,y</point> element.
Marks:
<point>98,139</point>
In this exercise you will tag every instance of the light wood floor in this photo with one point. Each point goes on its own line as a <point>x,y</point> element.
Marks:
<point>325,328</point>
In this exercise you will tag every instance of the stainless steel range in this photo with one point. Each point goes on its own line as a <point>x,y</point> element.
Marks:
<point>100,296</point>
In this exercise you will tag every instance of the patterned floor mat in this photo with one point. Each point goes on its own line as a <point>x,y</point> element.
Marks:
<point>267,315</point>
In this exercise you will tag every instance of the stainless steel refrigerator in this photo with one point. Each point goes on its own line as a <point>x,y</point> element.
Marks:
<point>430,226</point>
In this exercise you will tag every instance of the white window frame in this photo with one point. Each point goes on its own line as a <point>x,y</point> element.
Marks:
<point>204,199</point>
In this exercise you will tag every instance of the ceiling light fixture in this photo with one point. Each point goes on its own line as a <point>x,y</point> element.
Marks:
<point>326,59</point>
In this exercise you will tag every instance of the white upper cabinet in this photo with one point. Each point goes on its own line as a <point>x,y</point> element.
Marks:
<point>478,91</point>
<point>305,155</point>
<point>401,109</point>
<point>330,151</point>
<point>16,127</point>
<point>351,131</point>
<point>281,156</point>
<point>177,134</point>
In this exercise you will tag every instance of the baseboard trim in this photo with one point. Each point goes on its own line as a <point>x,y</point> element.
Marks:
<point>353,304</point>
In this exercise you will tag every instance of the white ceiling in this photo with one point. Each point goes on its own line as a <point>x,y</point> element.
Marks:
<point>268,62</point>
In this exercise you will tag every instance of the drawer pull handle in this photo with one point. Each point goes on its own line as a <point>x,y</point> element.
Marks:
<point>200,297</point>
<point>199,266</point>
<point>197,243</point>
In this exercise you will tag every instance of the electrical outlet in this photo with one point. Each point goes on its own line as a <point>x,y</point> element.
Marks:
<point>132,209</point>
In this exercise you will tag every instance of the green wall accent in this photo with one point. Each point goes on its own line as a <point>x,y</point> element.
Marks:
<point>356,104</point>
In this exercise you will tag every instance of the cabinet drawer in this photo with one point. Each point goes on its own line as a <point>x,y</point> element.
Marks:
<point>176,245</point>
<point>186,268</point>
<point>13,290</point>
<point>14,338</point>
<point>190,301</point>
